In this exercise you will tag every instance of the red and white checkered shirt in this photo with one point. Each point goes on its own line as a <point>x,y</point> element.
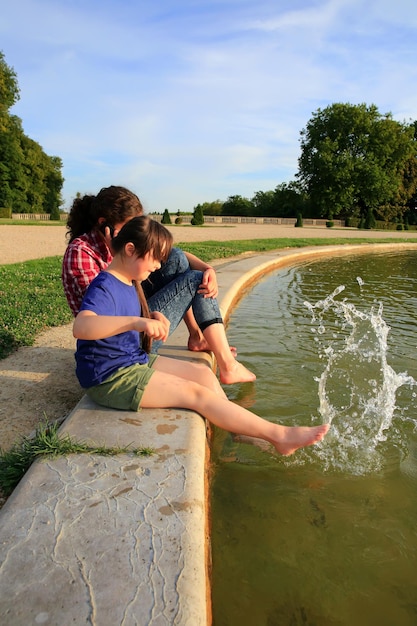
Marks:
<point>84,258</point>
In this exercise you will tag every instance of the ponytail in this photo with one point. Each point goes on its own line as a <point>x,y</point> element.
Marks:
<point>113,204</point>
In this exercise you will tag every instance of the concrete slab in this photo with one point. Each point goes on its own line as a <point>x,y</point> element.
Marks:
<point>88,539</point>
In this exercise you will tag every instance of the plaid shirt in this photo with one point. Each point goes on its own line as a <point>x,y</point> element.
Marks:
<point>84,258</point>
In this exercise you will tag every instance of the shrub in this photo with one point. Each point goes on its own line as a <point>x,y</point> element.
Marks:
<point>299,222</point>
<point>198,216</point>
<point>166,218</point>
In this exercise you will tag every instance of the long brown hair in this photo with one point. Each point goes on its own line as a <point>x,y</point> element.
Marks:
<point>147,235</point>
<point>114,204</point>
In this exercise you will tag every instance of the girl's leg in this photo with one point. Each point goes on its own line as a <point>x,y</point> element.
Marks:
<point>230,370</point>
<point>180,392</point>
<point>176,264</point>
<point>194,372</point>
<point>176,298</point>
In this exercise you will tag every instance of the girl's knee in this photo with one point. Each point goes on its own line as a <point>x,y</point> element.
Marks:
<point>178,261</point>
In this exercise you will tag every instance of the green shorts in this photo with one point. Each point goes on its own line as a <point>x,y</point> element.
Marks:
<point>124,389</point>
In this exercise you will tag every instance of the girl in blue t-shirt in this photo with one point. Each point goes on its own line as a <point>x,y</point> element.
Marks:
<point>114,331</point>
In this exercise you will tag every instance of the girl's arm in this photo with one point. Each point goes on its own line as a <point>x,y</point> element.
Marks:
<point>208,285</point>
<point>90,326</point>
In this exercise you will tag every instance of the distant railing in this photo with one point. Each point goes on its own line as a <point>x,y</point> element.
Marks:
<point>43,217</point>
<point>34,217</point>
<point>232,219</point>
<point>208,219</point>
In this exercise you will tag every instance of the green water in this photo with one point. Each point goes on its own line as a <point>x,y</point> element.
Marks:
<point>328,536</point>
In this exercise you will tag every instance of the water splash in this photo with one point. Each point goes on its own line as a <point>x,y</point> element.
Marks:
<point>357,388</point>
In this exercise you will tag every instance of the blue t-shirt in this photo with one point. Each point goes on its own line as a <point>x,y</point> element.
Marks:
<point>99,359</point>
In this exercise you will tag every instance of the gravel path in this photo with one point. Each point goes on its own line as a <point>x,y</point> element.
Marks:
<point>22,243</point>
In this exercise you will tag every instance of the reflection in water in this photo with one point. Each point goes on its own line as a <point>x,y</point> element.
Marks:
<point>327,536</point>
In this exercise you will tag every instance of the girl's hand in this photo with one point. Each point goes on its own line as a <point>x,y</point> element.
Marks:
<point>158,327</point>
<point>209,287</point>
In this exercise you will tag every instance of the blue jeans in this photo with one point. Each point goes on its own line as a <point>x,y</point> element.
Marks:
<point>172,290</point>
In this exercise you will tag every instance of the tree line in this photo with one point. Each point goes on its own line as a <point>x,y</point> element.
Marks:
<point>30,180</point>
<point>355,164</point>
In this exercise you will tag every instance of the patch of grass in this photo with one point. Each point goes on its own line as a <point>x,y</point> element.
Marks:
<point>209,250</point>
<point>45,443</point>
<point>11,222</point>
<point>31,299</point>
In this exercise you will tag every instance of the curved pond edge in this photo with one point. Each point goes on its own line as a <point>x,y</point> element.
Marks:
<point>125,539</point>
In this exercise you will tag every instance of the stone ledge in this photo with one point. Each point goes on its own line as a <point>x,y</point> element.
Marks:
<point>110,540</point>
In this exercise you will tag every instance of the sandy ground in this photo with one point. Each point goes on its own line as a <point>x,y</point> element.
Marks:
<point>39,382</point>
<point>22,243</point>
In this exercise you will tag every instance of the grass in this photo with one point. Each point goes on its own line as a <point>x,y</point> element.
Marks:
<point>45,443</point>
<point>31,300</point>
<point>209,250</point>
<point>11,222</point>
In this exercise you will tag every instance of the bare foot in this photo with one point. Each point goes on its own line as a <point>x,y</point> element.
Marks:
<point>293,437</point>
<point>237,373</point>
<point>201,345</point>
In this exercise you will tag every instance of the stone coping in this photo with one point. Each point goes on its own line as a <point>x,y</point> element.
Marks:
<point>123,540</point>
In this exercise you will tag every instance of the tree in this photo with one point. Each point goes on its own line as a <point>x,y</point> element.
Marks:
<point>53,183</point>
<point>290,200</point>
<point>9,87</point>
<point>353,159</point>
<point>198,216</point>
<point>30,180</point>
<point>166,218</point>
<point>236,205</point>
<point>212,208</point>
<point>263,203</point>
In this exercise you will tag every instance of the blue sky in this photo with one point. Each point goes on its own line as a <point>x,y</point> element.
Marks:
<point>187,101</point>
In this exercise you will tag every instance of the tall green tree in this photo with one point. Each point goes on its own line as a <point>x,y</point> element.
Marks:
<point>30,180</point>
<point>290,200</point>
<point>212,208</point>
<point>9,87</point>
<point>239,206</point>
<point>352,160</point>
<point>263,203</point>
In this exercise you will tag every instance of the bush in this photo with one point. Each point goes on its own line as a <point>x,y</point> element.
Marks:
<point>370,221</point>
<point>198,216</point>
<point>178,220</point>
<point>5,213</point>
<point>299,222</point>
<point>166,218</point>
<point>330,223</point>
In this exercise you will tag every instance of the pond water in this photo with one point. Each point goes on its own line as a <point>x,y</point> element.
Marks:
<point>328,536</point>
